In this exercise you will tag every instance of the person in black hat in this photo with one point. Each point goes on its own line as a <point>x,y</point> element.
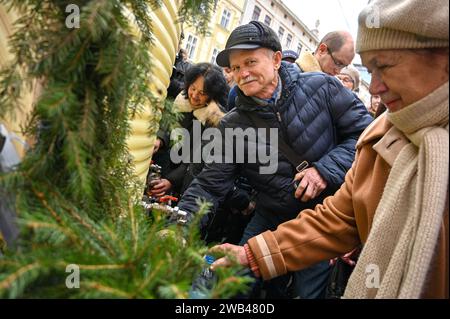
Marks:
<point>180,67</point>
<point>318,120</point>
<point>290,56</point>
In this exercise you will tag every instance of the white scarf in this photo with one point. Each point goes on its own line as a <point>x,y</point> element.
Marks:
<point>210,114</point>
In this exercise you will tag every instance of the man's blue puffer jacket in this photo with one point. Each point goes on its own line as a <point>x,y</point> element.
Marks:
<point>321,121</point>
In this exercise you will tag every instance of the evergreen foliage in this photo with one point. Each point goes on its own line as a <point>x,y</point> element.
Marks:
<point>74,190</point>
<point>197,13</point>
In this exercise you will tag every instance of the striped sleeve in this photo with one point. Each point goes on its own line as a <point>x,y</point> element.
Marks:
<point>267,255</point>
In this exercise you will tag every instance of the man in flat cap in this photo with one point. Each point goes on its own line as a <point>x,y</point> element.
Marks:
<point>395,197</point>
<point>318,123</point>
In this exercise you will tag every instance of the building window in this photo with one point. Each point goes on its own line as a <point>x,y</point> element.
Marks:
<point>191,45</point>
<point>285,16</point>
<point>288,41</point>
<point>256,13</point>
<point>226,17</point>
<point>272,4</point>
<point>267,20</point>
<point>299,48</point>
<point>280,33</point>
<point>214,56</point>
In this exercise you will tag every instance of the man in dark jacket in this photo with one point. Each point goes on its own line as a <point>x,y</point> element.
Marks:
<point>180,67</point>
<point>314,114</point>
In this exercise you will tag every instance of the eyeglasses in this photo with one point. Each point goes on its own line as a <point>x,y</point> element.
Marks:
<point>337,63</point>
<point>346,79</point>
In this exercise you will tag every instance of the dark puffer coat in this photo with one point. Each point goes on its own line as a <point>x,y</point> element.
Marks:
<point>318,118</point>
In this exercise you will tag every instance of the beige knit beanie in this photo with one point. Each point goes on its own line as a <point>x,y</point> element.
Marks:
<point>403,24</point>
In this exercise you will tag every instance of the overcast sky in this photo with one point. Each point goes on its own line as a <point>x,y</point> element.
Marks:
<point>333,14</point>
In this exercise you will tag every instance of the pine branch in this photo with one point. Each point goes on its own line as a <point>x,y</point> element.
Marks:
<point>15,282</point>
<point>104,291</point>
<point>197,13</point>
<point>74,191</point>
<point>35,225</point>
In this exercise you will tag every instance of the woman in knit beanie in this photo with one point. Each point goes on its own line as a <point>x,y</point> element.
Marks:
<point>407,55</point>
<point>395,197</point>
<point>349,76</point>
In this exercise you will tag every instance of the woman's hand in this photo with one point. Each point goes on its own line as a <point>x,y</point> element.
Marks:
<point>160,187</point>
<point>233,252</point>
<point>348,258</point>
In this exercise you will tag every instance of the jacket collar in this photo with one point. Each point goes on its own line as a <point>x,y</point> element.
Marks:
<point>308,62</point>
<point>288,74</point>
<point>374,131</point>
<point>389,140</point>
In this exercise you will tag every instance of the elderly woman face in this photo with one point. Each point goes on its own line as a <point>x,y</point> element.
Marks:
<point>197,97</point>
<point>346,81</point>
<point>402,77</point>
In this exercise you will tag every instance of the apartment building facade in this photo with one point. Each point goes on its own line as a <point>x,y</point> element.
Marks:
<point>227,16</point>
<point>293,33</point>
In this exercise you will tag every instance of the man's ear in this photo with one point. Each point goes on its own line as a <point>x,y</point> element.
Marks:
<point>277,58</point>
<point>322,49</point>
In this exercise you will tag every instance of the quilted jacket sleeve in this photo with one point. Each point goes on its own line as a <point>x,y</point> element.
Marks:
<point>350,118</point>
<point>211,185</point>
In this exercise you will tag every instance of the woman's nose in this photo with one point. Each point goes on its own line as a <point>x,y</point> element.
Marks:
<point>377,85</point>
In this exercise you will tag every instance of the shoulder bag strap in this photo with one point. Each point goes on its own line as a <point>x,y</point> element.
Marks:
<point>284,148</point>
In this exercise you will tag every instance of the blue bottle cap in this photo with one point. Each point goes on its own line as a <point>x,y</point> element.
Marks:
<point>209,259</point>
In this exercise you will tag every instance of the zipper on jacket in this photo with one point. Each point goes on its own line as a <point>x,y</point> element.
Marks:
<point>281,127</point>
<point>279,117</point>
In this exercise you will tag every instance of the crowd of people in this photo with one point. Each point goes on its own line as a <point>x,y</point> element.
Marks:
<point>367,184</point>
